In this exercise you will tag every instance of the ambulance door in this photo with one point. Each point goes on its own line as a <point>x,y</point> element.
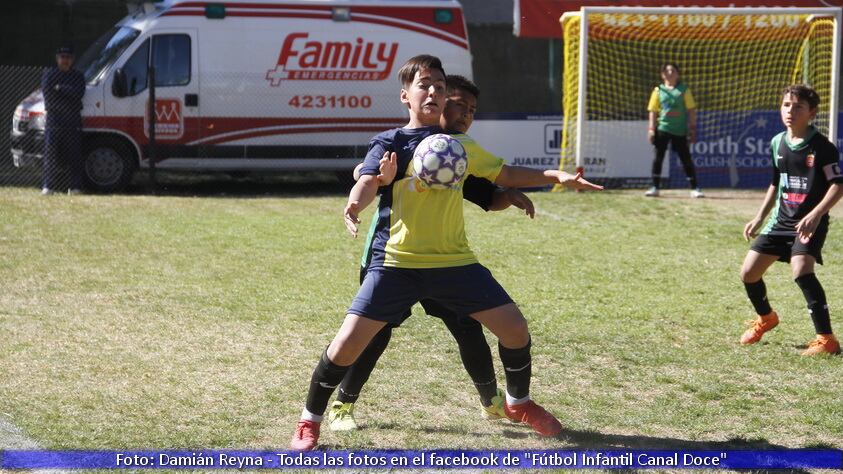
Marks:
<point>177,122</point>
<point>174,56</point>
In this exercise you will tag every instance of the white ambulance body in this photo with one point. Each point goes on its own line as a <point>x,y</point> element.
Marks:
<point>250,85</point>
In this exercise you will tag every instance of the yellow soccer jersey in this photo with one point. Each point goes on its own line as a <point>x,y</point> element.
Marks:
<point>426,228</point>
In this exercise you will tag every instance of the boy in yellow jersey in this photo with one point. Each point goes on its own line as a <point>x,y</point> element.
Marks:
<point>421,252</point>
<point>807,183</point>
<point>475,353</point>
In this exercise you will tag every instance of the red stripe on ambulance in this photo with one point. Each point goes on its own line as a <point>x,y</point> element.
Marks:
<point>417,19</point>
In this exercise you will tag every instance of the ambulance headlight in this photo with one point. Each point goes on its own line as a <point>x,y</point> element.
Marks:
<point>38,122</point>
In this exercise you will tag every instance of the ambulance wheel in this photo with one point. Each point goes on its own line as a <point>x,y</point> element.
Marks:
<point>109,165</point>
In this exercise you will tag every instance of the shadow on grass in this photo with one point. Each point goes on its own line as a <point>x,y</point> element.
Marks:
<point>219,184</point>
<point>801,346</point>
<point>242,185</point>
<point>708,197</point>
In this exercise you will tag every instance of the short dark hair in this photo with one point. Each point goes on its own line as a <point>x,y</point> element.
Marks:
<point>415,64</point>
<point>804,93</point>
<point>667,65</point>
<point>456,81</point>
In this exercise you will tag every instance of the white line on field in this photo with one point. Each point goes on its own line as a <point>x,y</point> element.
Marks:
<point>541,212</point>
<point>12,437</point>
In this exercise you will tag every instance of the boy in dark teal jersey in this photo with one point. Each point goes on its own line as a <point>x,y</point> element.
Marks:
<point>673,121</point>
<point>474,351</point>
<point>806,185</point>
<point>421,252</point>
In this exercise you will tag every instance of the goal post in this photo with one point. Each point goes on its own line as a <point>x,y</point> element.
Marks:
<point>735,61</point>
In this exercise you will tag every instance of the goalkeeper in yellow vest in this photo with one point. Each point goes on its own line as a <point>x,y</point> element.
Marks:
<point>673,121</point>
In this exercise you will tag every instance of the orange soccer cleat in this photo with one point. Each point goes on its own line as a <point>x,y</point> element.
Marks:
<point>758,327</point>
<point>541,420</point>
<point>823,344</point>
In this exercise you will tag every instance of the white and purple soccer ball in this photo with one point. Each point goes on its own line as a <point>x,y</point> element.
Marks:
<point>439,162</point>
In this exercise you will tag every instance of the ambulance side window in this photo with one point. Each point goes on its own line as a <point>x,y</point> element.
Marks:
<point>172,60</point>
<point>135,70</point>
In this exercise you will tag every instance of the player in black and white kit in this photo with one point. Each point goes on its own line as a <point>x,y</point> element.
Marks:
<point>806,185</point>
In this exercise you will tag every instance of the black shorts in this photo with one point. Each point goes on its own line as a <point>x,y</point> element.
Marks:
<point>785,246</point>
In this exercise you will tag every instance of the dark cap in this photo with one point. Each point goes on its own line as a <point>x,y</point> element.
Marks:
<point>65,50</point>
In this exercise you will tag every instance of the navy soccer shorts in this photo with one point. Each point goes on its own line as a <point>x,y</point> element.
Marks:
<point>388,293</point>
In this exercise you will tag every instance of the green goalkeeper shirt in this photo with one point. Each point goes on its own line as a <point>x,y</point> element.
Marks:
<point>672,106</point>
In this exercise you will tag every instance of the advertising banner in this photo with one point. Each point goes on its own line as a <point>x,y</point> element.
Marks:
<point>618,151</point>
<point>540,18</point>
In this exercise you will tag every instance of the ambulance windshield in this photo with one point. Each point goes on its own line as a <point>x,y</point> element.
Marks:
<point>105,51</point>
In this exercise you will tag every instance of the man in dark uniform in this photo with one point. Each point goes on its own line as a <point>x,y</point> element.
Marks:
<point>63,88</point>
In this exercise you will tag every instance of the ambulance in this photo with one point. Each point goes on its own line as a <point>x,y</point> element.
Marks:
<point>247,85</point>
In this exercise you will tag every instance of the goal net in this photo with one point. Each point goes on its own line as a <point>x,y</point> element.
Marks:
<point>735,61</point>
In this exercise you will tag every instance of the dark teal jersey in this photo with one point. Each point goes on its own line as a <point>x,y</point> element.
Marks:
<point>802,174</point>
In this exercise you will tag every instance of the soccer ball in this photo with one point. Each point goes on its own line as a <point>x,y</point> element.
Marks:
<point>439,162</point>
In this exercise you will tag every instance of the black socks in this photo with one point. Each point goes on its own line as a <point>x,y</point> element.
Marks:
<point>517,364</point>
<point>817,305</point>
<point>757,293</point>
<point>359,373</point>
<point>326,377</point>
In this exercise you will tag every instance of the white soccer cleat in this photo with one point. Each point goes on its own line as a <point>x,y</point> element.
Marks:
<point>652,192</point>
<point>697,193</point>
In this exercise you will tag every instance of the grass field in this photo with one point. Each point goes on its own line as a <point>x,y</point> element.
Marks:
<point>184,322</point>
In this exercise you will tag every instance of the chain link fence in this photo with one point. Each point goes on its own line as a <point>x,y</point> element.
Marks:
<point>19,82</point>
<point>251,135</point>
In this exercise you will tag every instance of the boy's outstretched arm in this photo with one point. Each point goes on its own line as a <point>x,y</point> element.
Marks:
<point>361,195</point>
<point>751,228</point>
<point>521,176</point>
<point>806,227</point>
<point>503,198</point>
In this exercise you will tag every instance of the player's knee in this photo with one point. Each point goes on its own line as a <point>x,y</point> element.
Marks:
<point>342,357</point>
<point>748,275</point>
<point>745,276</point>
<point>344,351</point>
<point>518,334</point>
<point>800,270</point>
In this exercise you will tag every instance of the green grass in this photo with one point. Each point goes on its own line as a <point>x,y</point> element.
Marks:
<point>180,322</point>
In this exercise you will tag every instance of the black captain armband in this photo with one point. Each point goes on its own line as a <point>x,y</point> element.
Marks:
<point>479,191</point>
